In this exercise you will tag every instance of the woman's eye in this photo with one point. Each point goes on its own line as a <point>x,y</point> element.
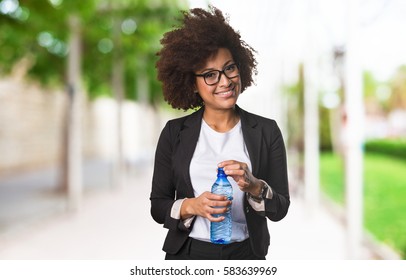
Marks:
<point>230,68</point>
<point>210,75</point>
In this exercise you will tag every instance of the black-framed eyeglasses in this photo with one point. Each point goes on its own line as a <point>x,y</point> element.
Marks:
<point>212,77</point>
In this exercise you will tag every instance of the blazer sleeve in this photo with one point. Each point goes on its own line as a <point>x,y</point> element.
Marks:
<point>277,207</point>
<point>163,192</point>
<point>266,148</point>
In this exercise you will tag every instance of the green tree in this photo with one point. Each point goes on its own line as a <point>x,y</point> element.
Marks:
<point>38,30</point>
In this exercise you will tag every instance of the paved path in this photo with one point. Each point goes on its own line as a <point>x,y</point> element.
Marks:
<point>112,224</point>
<point>116,224</point>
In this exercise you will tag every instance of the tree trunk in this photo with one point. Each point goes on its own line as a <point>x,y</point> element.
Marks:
<point>72,149</point>
<point>118,92</point>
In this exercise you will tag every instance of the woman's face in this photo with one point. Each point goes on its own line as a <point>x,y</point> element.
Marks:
<point>224,93</point>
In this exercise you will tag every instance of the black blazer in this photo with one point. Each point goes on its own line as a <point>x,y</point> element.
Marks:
<point>171,178</point>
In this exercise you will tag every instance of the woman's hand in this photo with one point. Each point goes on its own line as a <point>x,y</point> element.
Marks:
<point>242,176</point>
<point>204,205</point>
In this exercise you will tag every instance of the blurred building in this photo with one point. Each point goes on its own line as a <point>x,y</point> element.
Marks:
<point>32,120</point>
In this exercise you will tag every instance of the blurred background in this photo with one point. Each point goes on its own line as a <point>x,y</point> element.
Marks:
<point>81,111</point>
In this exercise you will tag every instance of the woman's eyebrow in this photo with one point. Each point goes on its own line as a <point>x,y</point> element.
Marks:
<point>211,69</point>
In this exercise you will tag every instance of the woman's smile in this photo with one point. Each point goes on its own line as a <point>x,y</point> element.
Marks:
<point>226,94</point>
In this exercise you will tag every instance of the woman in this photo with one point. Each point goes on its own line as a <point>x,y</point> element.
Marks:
<point>204,64</point>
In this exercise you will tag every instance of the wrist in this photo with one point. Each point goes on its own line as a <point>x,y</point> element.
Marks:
<point>186,209</point>
<point>259,188</point>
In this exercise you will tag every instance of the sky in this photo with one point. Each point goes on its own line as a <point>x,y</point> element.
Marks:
<point>385,37</point>
<point>381,27</point>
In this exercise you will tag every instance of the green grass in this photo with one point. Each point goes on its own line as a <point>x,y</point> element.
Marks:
<point>384,194</point>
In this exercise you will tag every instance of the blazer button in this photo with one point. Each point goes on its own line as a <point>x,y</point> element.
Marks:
<point>247,209</point>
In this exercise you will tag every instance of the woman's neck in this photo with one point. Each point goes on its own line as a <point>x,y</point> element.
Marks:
<point>221,120</point>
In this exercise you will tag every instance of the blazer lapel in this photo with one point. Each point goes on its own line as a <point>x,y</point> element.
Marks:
<point>188,137</point>
<point>252,137</point>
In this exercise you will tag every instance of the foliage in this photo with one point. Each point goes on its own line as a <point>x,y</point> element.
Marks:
<point>325,129</point>
<point>398,89</point>
<point>384,194</point>
<point>388,95</point>
<point>38,30</point>
<point>40,34</point>
<point>376,94</point>
<point>295,110</point>
<point>390,147</point>
<point>370,84</point>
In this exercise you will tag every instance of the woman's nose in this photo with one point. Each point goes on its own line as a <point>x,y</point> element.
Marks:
<point>224,80</point>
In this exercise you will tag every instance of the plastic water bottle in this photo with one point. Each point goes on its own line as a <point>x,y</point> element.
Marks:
<point>220,232</point>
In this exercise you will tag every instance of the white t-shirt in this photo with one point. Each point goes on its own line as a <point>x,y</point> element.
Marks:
<point>212,148</point>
